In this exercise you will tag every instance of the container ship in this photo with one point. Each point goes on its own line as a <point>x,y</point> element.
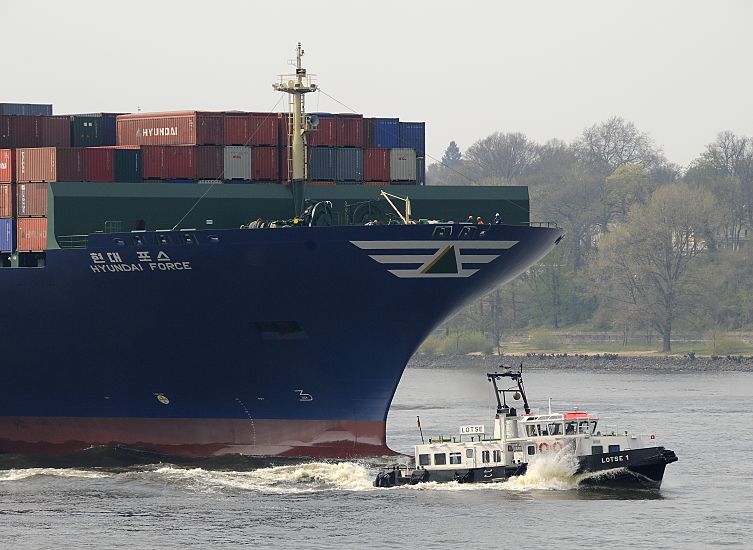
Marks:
<point>199,284</point>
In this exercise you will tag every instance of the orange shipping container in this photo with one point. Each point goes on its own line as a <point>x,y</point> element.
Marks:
<point>31,199</point>
<point>49,164</point>
<point>6,200</point>
<point>32,234</point>
<point>175,128</point>
<point>7,174</point>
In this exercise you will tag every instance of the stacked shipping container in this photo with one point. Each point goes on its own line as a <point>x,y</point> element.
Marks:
<point>7,223</point>
<point>185,146</point>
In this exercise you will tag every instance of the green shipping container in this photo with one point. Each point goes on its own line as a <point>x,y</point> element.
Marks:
<point>127,165</point>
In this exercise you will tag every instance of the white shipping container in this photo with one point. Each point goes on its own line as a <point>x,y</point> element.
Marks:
<point>237,163</point>
<point>402,164</point>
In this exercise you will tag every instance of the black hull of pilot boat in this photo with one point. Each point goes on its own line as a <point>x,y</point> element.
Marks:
<point>634,469</point>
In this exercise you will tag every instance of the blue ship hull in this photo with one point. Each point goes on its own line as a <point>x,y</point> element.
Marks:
<point>261,342</point>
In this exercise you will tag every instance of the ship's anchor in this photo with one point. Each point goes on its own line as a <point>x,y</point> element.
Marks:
<point>304,396</point>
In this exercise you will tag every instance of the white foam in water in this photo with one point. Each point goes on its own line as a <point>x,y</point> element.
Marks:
<point>26,473</point>
<point>299,478</point>
<point>547,471</point>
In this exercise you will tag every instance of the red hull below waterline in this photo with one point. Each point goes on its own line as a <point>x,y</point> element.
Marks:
<point>197,438</point>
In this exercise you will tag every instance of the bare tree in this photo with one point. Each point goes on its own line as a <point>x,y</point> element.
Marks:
<point>644,265</point>
<point>616,142</point>
<point>505,156</point>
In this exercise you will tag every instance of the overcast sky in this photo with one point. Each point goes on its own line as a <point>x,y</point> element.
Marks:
<point>680,70</point>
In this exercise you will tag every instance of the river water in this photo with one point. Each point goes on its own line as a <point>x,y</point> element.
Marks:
<point>706,499</point>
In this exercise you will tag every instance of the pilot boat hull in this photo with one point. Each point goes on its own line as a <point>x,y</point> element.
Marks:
<point>630,469</point>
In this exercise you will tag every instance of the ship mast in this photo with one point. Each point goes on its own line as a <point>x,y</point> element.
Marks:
<point>297,86</point>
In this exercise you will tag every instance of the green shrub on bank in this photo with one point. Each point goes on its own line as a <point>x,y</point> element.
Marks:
<point>431,346</point>
<point>543,340</point>
<point>726,345</point>
<point>472,342</point>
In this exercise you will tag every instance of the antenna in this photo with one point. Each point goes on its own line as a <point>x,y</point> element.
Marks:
<point>297,86</point>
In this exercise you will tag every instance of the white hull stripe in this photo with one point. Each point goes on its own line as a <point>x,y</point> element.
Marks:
<point>426,245</point>
<point>447,259</point>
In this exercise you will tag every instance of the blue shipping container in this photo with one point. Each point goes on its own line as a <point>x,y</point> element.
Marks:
<point>421,171</point>
<point>7,235</point>
<point>413,136</point>
<point>386,133</point>
<point>25,109</point>
<point>93,129</point>
<point>322,163</point>
<point>349,164</point>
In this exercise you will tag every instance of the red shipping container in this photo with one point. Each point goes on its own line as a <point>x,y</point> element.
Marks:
<point>324,135</point>
<point>176,128</point>
<point>32,234</point>
<point>264,129</point>
<point>376,165</point>
<point>99,164</point>
<point>31,199</point>
<point>154,162</point>
<point>237,128</point>
<point>349,130</point>
<point>55,131</point>
<point>49,164</point>
<point>320,182</point>
<point>19,131</point>
<point>264,164</point>
<point>7,170</point>
<point>194,163</point>
<point>251,128</point>
<point>6,200</point>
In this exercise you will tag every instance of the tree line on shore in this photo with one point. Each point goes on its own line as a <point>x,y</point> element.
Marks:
<point>650,247</point>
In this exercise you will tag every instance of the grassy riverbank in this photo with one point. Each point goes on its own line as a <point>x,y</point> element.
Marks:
<point>549,342</point>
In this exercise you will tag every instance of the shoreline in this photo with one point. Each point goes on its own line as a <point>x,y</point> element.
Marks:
<point>593,361</point>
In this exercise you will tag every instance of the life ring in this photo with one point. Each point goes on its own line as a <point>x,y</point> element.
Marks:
<point>543,446</point>
<point>556,446</point>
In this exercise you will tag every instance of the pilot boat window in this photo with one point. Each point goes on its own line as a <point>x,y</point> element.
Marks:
<point>469,453</point>
<point>455,458</point>
<point>440,459</point>
<point>531,449</point>
<point>597,449</point>
<point>497,456</point>
<point>614,448</point>
<point>584,427</point>
<point>543,430</point>
<point>555,428</point>
<point>424,460</point>
<point>531,430</point>
<point>570,428</point>
<point>484,456</point>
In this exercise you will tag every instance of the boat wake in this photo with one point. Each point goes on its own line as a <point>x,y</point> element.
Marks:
<point>298,478</point>
<point>553,471</point>
<point>29,473</point>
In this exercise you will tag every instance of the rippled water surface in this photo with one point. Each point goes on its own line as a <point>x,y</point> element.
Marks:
<point>706,500</point>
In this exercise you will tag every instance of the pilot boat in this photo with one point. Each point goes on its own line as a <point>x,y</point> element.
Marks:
<point>600,457</point>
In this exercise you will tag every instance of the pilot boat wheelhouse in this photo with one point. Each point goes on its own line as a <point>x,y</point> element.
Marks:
<point>598,457</point>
